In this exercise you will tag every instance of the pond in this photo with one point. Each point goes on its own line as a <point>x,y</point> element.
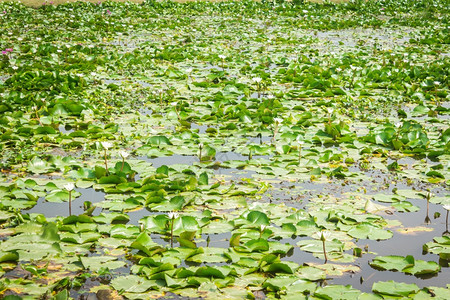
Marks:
<point>225,150</point>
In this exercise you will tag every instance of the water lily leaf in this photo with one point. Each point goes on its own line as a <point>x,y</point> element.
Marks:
<point>306,227</point>
<point>280,248</point>
<point>209,272</point>
<point>174,283</point>
<point>209,255</point>
<point>388,198</point>
<point>259,245</point>
<point>291,284</point>
<point>159,140</point>
<point>78,219</point>
<point>50,232</point>
<point>8,256</point>
<point>133,284</point>
<point>124,231</point>
<point>258,218</point>
<point>369,231</point>
<point>337,292</point>
<point>111,179</point>
<point>111,217</point>
<point>174,204</point>
<point>78,227</point>
<point>208,153</point>
<point>155,223</point>
<point>218,226</point>
<point>235,240</point>
<point>420,110</point>
<point>421,267</point>
<point>203,179</point>
<point>185,224</point>
<point>186,239</point>
<point>405,206</point>
<point>316,246</point>
<point>80,238</point>
<point>440,245</point>
<point>96,263</point>
<point>311,273</point>
<point>144,243</point>
<point>281,267</point>
<point>392,288</point>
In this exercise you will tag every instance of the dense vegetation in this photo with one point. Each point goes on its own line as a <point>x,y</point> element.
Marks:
<point>225,150</point>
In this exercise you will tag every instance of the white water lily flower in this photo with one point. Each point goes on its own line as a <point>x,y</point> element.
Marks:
<point>106,145</point>
<point>173,215</point>
<point>278,120</point>
<point>436,82</point>
<point>263,227</point>
<point>69,187</point>
<point>398,124</point>
<point>189,70</point>
<point>446,207</point>
<point>330,110</point>
<point>257,79</point>
<point>173,104</point>
<point>39,163</point>
<point>322,235</point>
<point>221,56</point>
<point>124,154</point>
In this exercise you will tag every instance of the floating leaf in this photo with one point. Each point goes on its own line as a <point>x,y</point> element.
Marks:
<point>392,288</point>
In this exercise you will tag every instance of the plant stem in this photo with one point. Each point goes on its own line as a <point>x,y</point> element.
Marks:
<point>70,203</point>
<point>427,218</point>
<point>123,163</point>
<point>171,233</point>
<point>275,131</point>
<point>106,162</point>
<point>324,251</point>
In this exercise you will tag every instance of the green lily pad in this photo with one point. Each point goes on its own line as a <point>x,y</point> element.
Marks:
<point>405,264</point>
<point>369,231</point>
<point>396,289</point>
